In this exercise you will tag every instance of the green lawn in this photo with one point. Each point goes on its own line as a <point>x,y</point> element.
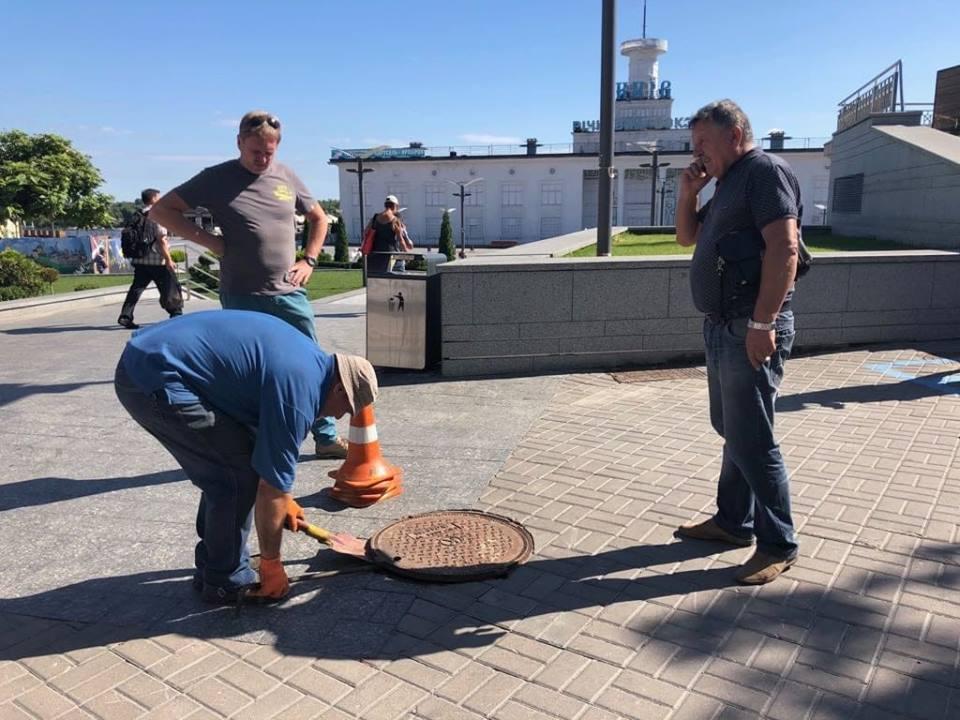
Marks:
<point>628,243</point>
<point>322,282</point>
<point>68,283</point>
<point>330,282</point>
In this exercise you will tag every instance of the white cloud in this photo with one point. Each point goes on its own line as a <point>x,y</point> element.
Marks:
<point>190,158</point>
<point>487,139</point>
<point>109,130</point>
<point>227,122</point>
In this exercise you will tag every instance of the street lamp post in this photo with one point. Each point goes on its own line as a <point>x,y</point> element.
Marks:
<point>655,166</point>
<point>606,172</point>
<point>360,171</point>
<point>463,195</point>
<point>663,195</point>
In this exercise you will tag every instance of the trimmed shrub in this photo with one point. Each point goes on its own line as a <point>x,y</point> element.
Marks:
<point>20,277</point>
<point>342,248</point>
<point>204,274</point>
<point>178,256</point>
<point>446,237</point>
<point>50,275</point>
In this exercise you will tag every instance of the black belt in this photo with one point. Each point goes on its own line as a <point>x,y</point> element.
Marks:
<point>726,316</point>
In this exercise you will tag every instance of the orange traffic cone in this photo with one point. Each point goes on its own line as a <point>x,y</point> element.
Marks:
<point>365,477</point>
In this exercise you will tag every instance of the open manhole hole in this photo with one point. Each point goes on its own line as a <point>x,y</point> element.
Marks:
<point>658,374</point>
<point>451,546</point>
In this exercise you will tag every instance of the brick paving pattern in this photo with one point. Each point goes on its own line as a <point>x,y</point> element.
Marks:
<point>612,617</point>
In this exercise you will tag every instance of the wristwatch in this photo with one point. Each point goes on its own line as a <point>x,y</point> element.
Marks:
<point>311,261</point>
<point>767,327</point>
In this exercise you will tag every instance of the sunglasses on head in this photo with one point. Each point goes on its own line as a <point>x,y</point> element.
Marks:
<point>271,120</point>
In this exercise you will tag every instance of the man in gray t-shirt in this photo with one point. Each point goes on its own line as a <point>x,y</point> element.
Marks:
<point>741,277</point>
<point>254,199</point>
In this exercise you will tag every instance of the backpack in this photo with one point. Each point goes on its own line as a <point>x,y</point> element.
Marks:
<point>134,242</point>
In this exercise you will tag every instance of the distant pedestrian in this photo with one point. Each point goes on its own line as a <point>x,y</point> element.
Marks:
<point>390,235</point>
<point>742,275</point>
<point>155,265</point>
<point>254,199</point>
<point>99,261</point>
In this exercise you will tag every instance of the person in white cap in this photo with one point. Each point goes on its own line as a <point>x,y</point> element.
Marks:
<point>390,235</point>
<point>232,394</point>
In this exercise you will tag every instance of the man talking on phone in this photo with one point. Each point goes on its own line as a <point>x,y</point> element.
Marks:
<point>741,276</point>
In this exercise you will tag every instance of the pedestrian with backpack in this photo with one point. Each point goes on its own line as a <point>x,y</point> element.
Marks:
<point>144,243</point>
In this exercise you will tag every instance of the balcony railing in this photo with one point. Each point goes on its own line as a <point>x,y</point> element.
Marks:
<point>581,148</point>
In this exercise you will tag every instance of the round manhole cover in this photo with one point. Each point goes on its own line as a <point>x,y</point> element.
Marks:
<point>452,545</point>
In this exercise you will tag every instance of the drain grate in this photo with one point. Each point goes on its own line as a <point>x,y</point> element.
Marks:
<point>658,374</point>
<point>452,546</point>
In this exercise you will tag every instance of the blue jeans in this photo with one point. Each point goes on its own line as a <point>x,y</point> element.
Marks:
<point>753,493</point>
<point>215,451</point>
<point>294,309</point>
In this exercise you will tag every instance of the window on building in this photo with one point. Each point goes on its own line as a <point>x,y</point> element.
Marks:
<point>401,192</point>
<point>433,231</point>
<point>435,196</point>
<point>510,228</point>
<point>551,193</point>
<point>848,193</point>
<point>474,230</point>
<point>475,199</point>
<point>511,194</point>
<point>549,227</point>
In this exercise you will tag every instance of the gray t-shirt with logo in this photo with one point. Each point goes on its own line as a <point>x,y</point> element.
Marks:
<point>756,190</point>
<point>256,215</point>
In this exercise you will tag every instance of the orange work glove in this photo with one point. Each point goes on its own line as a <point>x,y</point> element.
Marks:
<point>273,580</point>
<point>294,513</point>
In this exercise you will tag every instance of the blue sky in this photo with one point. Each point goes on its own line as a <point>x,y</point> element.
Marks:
<point>152,91</point>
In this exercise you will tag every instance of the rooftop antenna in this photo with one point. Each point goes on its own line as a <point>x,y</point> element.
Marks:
<point>644,18</point>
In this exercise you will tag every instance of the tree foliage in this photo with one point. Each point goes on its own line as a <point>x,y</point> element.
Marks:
<point>123,211</point>
<point>446,237</point>
<point>331,206</point>
<point>46,181</point>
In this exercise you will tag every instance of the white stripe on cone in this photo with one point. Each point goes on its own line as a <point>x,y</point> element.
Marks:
<point>363,435</point>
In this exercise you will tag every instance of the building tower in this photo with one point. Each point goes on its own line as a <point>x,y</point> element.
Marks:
<point>644,102</point>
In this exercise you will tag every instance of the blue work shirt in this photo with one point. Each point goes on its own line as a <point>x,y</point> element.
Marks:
<point>251,366</point>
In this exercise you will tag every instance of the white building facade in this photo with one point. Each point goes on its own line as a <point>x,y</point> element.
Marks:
<point>524,193</point>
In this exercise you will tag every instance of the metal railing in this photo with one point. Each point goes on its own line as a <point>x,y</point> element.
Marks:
<point>188,280</point>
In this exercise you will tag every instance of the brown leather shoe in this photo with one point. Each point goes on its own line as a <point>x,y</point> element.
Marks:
<point>336,450</point>
<point>709,530</point>
<point>762,568</point>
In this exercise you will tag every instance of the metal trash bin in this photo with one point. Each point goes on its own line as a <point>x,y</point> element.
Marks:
<point>403,312</point>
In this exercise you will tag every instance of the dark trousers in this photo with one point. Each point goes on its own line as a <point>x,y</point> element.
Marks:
<point>215,452</point>
<point>753,493</point>
<point>164,278</point>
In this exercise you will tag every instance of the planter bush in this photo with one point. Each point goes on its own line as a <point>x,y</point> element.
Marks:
<point>20,277</point>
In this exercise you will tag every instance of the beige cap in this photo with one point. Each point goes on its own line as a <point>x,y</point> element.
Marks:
<point>359,379</point>
<point>392,199</point>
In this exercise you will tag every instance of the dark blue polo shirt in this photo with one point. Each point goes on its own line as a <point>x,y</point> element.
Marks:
<point>252,366</point>
<point>756,190</point>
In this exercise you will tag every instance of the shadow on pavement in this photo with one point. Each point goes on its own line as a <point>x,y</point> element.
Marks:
<point>48,330</point>
<point>11,392</point>
<point>41,491</point>
<point>832,635</point>
<point>838,398</point>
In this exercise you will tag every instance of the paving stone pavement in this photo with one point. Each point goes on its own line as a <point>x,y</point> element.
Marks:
<point>612,617</point>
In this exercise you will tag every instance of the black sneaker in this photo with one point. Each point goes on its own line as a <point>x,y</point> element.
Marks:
<point>128,323</point>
